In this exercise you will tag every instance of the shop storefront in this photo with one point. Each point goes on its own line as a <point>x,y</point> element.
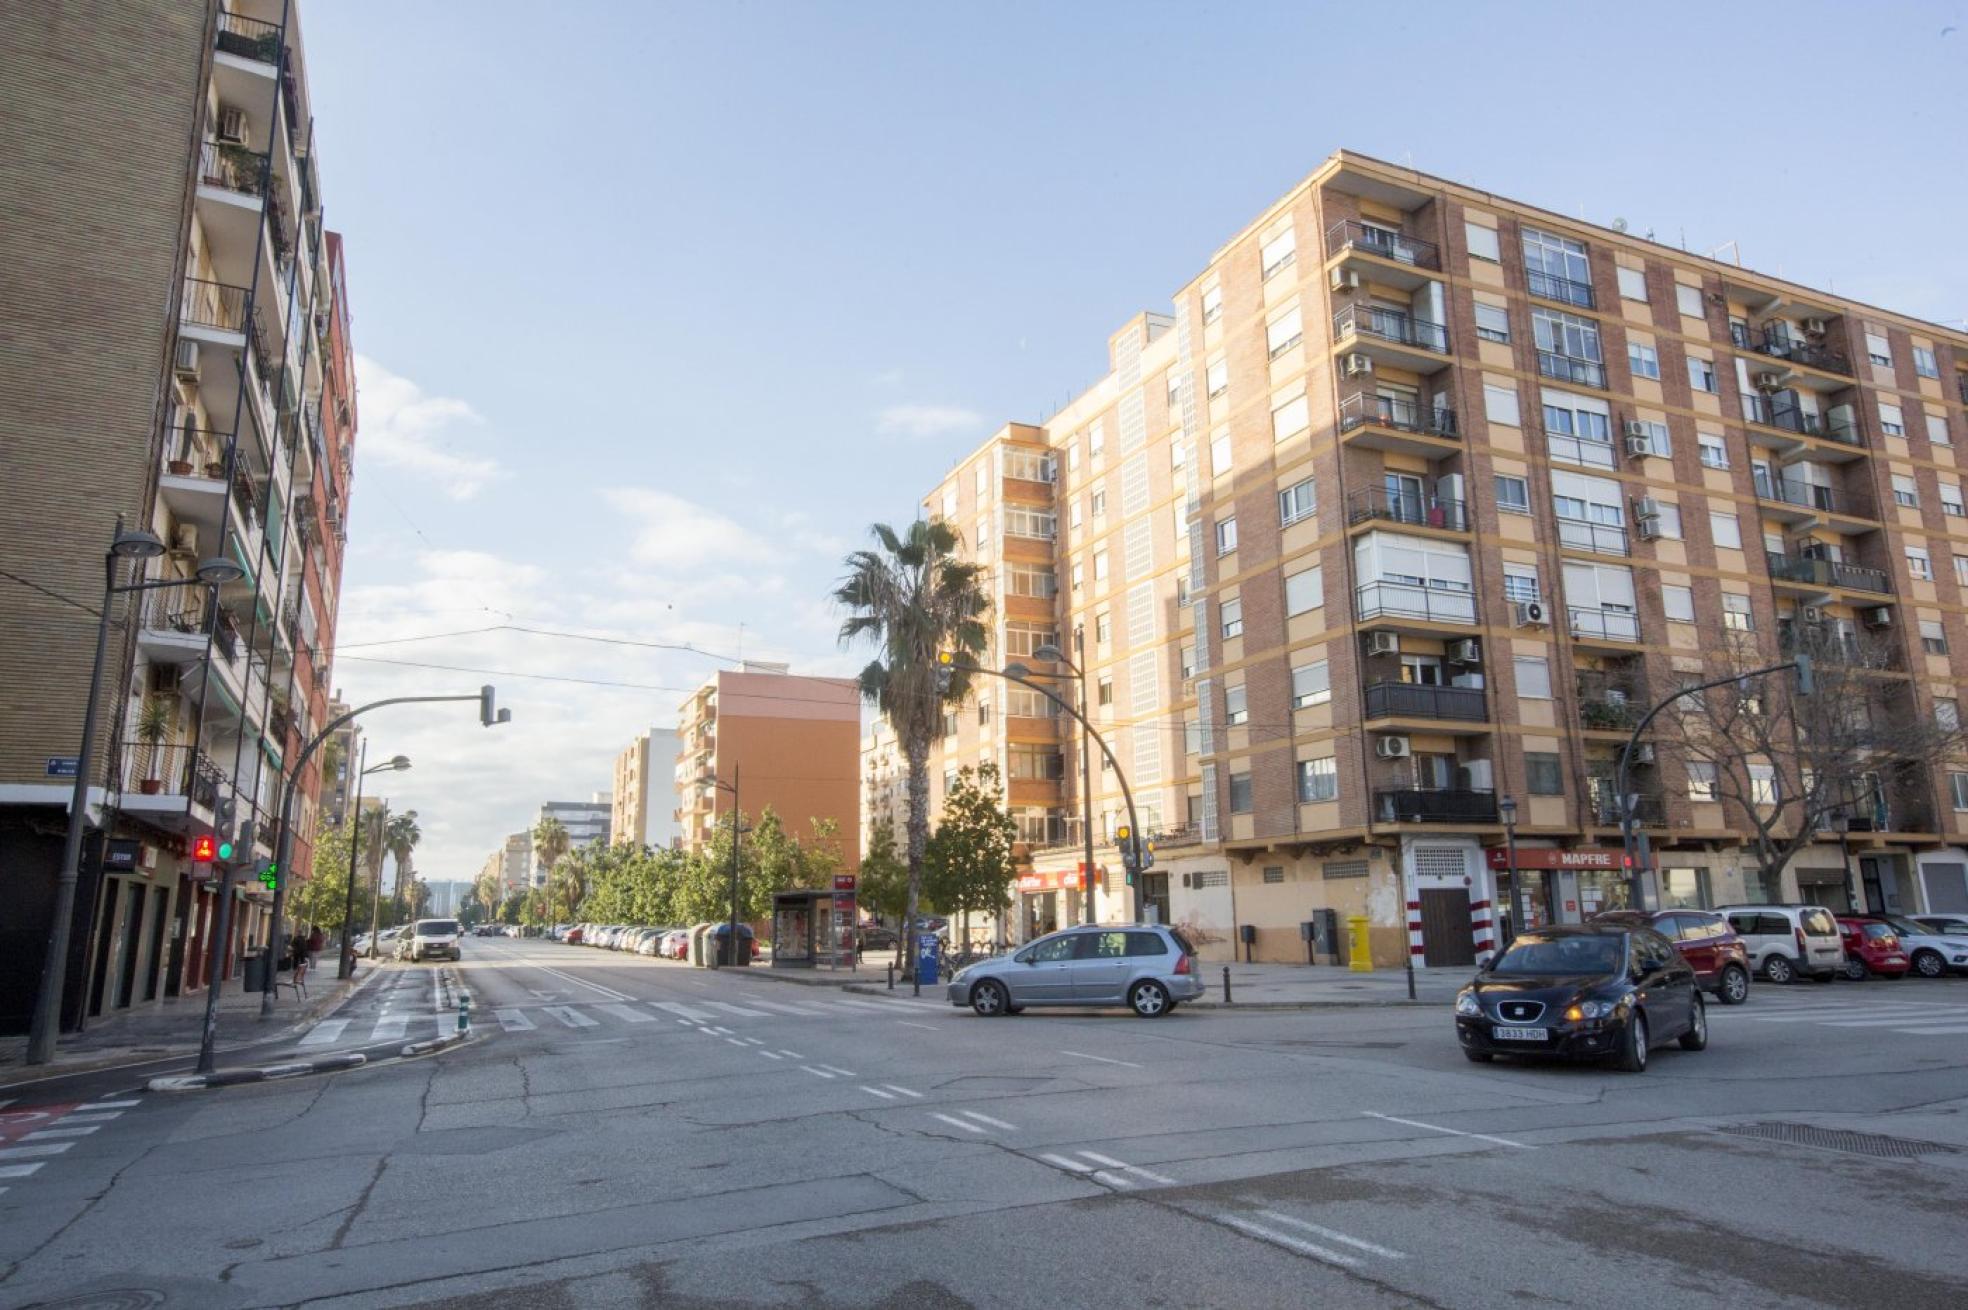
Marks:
<point>1048,900</point>
<point>1547,885</point>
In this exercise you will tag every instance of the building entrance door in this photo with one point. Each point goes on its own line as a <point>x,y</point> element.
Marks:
<point>1445,935</point>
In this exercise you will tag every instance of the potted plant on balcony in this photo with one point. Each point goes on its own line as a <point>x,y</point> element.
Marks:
<point>153,726</point>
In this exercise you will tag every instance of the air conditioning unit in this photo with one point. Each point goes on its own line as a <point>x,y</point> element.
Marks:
<point>1769,381</point>
<point>1646,507</point>
<point>184,538</point>
<point>1383,643</point>
<point>1466,651</point>
<point>1639,447</point>
<point>1358,365</point>
<point>1391,748</point>
<point>1882,617</point>
<point>1345,279</point>
<point>1811,614</point>
<point>1529,614</point>
<point>1816,327</point>
<point>232,125</point>
<point>1643,753</point>
<point>1648,529</point>
<point>1635,428</point>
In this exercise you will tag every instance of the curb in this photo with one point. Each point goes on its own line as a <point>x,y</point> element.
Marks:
<point>326,1064</point>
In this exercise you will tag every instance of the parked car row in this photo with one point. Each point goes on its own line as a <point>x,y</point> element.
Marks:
<point>667,943</point>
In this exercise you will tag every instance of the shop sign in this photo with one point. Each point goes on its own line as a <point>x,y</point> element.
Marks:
<point>1052,880</point>
<point>1544,857</point>
<point>843,882</point>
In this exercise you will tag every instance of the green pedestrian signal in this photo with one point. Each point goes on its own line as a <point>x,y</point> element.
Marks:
<point>270,876</point>
<point>225,850</point>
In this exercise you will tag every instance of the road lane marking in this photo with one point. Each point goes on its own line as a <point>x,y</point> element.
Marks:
<point>110,1105</point>
<point>48,1134</point>
<point>1950,1031</point>
<point>687,1012</point>
<point>817,1073</point>
<point>783,1008</point>
<point>739,1010</point>
<point>324,1033</point>
<point>608,992</point>
<point>906,1023</point>
<point>955,1122</point>
<point>876,1091</point>
<point>791,1055</point>
<point>1103,1059</point>
<point>987,1119</point>
<point>570,1016</point>
<point>771,1055</point>
<point>722,1032</point>
<point>1115,1181</point>
<point>1112,1163</point>
<point>389,1028</point>
<point>1453,1132</point>
<point>751,1041</point>
<point>905,1091</point>
<point>513,1021</point>
<point>833,1068</point>
<point>1287,1241</point>
<point>861,1005</point>
<point>735,1042</point>
<point>628,1013</point>
<point>29,1152</point>
<point>1077,1166</point>
<point>1332,1234</point>
<point>20,1170</point>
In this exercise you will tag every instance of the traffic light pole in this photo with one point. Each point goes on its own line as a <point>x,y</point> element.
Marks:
<point>216,956</point>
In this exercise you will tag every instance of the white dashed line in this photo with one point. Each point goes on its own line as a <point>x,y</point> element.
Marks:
<point>834,1068</point>
<point>817,1073</point>
<point>49,1134</point>
<point>770,1055</point>
<point>682,1011</point>
<point>1332,1234</point>
<point>1453,1132</point>
<point>791,1055</point>
<point>735,1042</point>
<point>876,1091</point>
<point>29,1152</point>
<point>20,1170</point>
<point>957,1123</point>
<point>1063,1163</point>
<point>1289,1242</point>
<point>1112,1163</point>
<point>927,1027</point>
<point>110,1105</point>
<point>1103,1059</point>
<point>987,1119</point>
<point>905,1091</point>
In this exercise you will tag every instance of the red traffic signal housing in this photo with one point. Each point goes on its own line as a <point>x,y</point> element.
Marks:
<point>205,849</point>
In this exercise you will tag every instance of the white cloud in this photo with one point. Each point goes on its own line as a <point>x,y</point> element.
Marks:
<point>674,533</point>
<point>926,420</point>
<point>405,428</point>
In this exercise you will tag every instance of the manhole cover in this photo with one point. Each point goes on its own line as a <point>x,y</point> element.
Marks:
<point>1838,1139</point>
<point>989,1083</point>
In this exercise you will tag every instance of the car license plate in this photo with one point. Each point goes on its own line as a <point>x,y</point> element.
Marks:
<point>1503,1034</point>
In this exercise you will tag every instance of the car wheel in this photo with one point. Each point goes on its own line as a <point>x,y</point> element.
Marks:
<point>1779,970</point>
<point>1477,1057</point>
<point>1856,970</point>
<point>1696,1038</point>
<point>1149,999</point>
<point>1633,1055</point>
<point>1735,985</point>
<point>988,999</point>
<point>1929,964</point>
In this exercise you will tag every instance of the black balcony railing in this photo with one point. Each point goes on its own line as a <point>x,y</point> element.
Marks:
<point>1772,412</point>
<point>249,38</point>
<point>1603,624</point>
<point>1805,495</point>
<point>1600,538</point>
<point>213,305</point>
<point>170,768</point>
<point>1434,805</point>
<point>186,611</point>
<point>1551,286</point>
<point>195,452</point>
<point>1397,412</point>
<point>1602,801</point>
<point>1391,325</point>
<point>1827,573</point>
<point>1570,368</point>
<point>1811,354</point>
<point>1413,700</point>
<point>1608,714</point>
<point>1418,508</point>
<point>232,168</point>
<point>1408,600</point>
<point>1402,249</point>
<point>1187,834</point>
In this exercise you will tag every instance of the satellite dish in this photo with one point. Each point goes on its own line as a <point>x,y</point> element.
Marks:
<point>1619,225</point>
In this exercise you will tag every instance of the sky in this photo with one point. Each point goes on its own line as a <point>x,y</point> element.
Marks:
<point>658,306</point>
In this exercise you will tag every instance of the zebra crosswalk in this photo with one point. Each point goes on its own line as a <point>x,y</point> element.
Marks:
<point>1912,1016</point>
<point>713,1017</point>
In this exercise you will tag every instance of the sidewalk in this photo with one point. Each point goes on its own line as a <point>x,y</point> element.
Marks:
<point>174,1026</point>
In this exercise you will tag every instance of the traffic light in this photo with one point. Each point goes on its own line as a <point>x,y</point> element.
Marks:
<point>268,873</point>
<point>1807,682</point>
<point>204,849</point>
<point>489,713</point>
<point>944,662</point>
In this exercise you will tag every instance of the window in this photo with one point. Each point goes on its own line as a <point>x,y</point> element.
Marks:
<point>1735,612</point>
<point>1036,762</point>
<point>1096,436</point>
<point>1689,300</point>
<point>1232,614</point>
<point>1878,349</point>
<point>1659,440</point>
<point>1305,591</point>
<point>1023,703</point>
<point>1240,793</point>
<point>1533,677</point>
<point>1186,659</point>
<point>1022,522</point>
<point>1220,454</point>
<point>1958,784</point>
<point>1296,502</point>
<point>1937,430</point>
<point>1226,535</point>
<point>1100,566</point>
<point>1633,284</point>
<point>1290,418</point>
<point>1500,405</point>
<point>1961,569</point>
<point>1284,332</point>
<point>1556,268</point>
<point>1023,580</point>
<point>1029,466</point>
<point>1218,377</point>
<point>1103,628</point>
<point>1644,360</point>
<point>1763,784</point>
<point>1077,579</point>
<point>1951,499</point>
<point>1178,452</point>
<point>1024,638</point>
<point>1947,713</point>
<point>1513,493</point>
<point>1701,374</point>
<point>1318,780</point>
<point>1074,516</point>
<point>1520,582</point>
<point>1103,690</point>
<point>949,723</point>
<point>1568,347</point>
<point>1918,563</point>
<point>1702,784</point>
<point>1236,710</point>
<point>950,503</point>
<point>1891,420</point>
<point>1212,304</point>
<point>1726,529</point>
<point>1492,322</point>
<point>1590,511</point>
<point>1578,429</point>
<point>1933,637</point>
<point>1098,500</point>
<point>1182,591</point>
<point>983,481</point>
<point>1541,774</point>
<point>1924,363</point>
<point>1679,602</point>
<point>1667,520</point>
<point>1311,684</point>
<point>1482,242</point>
<point>1905,491</point>
<point>1279,252</point>
<point>1073,457</point>
<point>1714,453</point>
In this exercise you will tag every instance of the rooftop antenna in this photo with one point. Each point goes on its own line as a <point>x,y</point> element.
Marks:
<point>1735,252</point>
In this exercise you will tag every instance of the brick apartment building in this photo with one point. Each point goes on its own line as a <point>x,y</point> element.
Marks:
<point>1410,502</point>
<point>176,357</point>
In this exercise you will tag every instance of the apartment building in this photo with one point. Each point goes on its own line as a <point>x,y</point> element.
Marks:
<point>884,783</point>
<point>787,742</point>
<point>515,863</point>
<point>643,802</point>
<point>1412,501</point>
<point>177,363</point>
<point>345,746</point>
<point>587,822</point>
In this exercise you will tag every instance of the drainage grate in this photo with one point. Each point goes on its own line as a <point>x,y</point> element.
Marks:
<point>1838,1139</point>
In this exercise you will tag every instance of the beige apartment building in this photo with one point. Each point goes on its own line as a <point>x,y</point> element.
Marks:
<point>788,742</point>
<point>1411,499</point>
<point>176,360</point>
<point>884,783</point>
<point>643,801</point>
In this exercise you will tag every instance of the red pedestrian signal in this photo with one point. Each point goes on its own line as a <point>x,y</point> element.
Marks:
<point>204,849</point>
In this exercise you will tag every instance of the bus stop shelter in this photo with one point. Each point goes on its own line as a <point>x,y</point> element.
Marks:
<point>813,930</point>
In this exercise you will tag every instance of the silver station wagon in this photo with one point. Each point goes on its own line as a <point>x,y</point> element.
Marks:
<point>1147,967</point>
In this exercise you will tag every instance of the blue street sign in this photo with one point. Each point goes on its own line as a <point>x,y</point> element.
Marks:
<point>926,965</point>
<point>64,766</point>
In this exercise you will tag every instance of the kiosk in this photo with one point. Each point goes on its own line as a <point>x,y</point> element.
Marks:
<point>813,930</point>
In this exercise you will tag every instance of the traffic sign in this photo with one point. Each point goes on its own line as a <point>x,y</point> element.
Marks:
<point>844,882</point>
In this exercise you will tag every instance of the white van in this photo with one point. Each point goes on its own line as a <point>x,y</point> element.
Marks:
<point>435,937</point>
<point>1788,942</point>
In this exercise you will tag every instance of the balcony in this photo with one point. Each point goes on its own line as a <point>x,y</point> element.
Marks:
<point>1433,805</point>
<point>1816,574</point>
<point>233,168</point>
<point>1398,424</point>
<point>1589,623</point>
<point>1599,538</point>
<point>1808,504</point>
<point>1551,286</point>
<point>1376,505</point>
<point>216,307</point>
<point>1377,255</point>
<point>1603,807</point>
<point>162,781</point>
<point>1413,601</point>
<point>1610,701</point>
<point>248,38</point>
<point>1815,435</point>
<point>1795,350</point>
<point>1412,700</point>
<point>1391,337</point>
<point>1571,368</point>
<point>1586,451</point>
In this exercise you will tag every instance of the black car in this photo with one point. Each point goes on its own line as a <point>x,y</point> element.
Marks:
<point>1595,991</point>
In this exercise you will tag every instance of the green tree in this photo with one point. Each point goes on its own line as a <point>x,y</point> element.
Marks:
<point>322,897</point>
<point>882,886</point>
<point>401,836</point>
<point>968,865</point>
<point>914,597</point>
<point>550,844</point>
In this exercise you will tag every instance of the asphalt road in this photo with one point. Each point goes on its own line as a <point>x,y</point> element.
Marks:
<point>626,1132</point>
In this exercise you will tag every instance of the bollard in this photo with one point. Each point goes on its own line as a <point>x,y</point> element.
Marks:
<point>464,1012</point>
<point>891,976</point>
<point>1226,984</point>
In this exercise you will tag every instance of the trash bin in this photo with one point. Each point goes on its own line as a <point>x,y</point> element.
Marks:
<point>252,969</point>
<point>727,955</point>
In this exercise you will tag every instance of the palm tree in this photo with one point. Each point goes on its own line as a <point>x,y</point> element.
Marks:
<point>372,834</point>
<point>914,597</point>
<point>550,844</point>
<point>402,836</point>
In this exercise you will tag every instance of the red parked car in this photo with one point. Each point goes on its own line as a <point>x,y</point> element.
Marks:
<point>1706,942</point>
<point>1872,946</point>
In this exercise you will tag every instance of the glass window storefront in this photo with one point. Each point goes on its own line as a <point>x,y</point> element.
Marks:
<point>1684,889</point>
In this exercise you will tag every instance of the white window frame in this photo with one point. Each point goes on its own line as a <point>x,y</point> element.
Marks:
<point>1226,534</point>
<point>1298,502</point>
<point>1305,591</point>
<point>1311,684</point>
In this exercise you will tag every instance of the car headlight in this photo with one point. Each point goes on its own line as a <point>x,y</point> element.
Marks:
<point>1591,1010</point>
<point>1466,1003</point>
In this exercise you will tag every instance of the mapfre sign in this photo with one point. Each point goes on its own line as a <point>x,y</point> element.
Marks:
<point>1545,858</point>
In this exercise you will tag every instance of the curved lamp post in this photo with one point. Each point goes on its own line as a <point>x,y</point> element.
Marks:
<point>394,765</point>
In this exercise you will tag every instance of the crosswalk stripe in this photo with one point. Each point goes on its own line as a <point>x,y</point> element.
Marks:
<point>860,1005</point>
<point>683,1011</point>
<point>833,1068</point>
<point>876,1091</point>
<point>29,1152</point>
<point>1945,1030</point>
<point>81,1118</point>
<point>627,1013</point>
<point>1287,1241</point>
<point>570,1016</point>
<point>987,1119</point>
<point>324,1032</point>
<point>784,1008</point>
<point>513,1021</point>
<point>738,1010</point>
<point>905,1091</point>
<point>389,1028</point>
<point>817,1073</point>
<point>1332,1234</point>
<point>1076,1166</point>
<point>772,1055</point>
<point>49,1134</point>
<point>109,1105</point>
<point>955,1122</point>
<point>20,1170</point>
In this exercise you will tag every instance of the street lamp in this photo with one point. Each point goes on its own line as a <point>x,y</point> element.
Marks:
<point>1050,651</point>
<point>1507,811</point>
<point>712,780</point>
<point>130,544</point>
<point>396,764</point>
